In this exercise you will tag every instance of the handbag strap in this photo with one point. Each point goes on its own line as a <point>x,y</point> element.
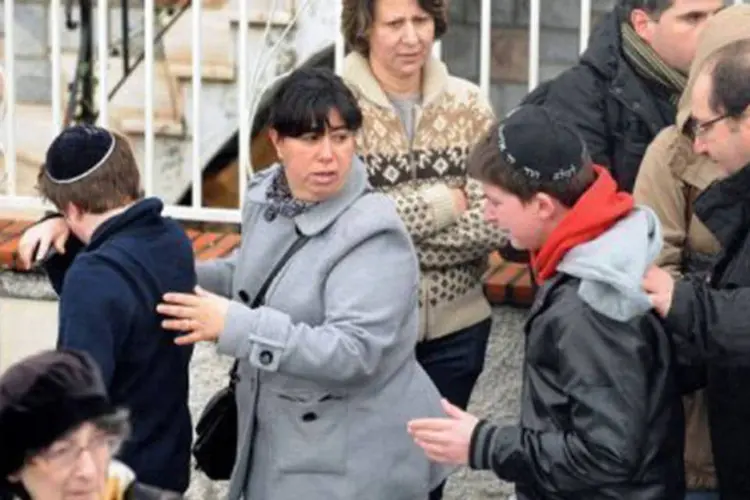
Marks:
<point>260,296</point>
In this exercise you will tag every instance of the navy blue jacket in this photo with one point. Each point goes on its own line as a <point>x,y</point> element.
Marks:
<point>108,297</point>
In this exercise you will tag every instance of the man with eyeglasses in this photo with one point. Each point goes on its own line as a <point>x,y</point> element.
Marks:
<point>709,315</point>
<point>669,180</point>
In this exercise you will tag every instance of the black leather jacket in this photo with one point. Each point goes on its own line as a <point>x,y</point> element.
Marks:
<point>601,415</point>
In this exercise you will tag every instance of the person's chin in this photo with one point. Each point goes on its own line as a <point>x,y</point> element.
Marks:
<point>411,67</point>
<point>81,495</point>
<point>517,244</point>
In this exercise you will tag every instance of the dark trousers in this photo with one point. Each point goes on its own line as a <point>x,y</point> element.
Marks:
<point>454,363</point>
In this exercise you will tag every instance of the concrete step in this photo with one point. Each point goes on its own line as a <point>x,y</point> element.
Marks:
<point>260,11</point>
<point>126,108</point>
<point>217,46</point>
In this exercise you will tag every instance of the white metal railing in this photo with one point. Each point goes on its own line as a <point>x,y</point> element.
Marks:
<point>250,79</point>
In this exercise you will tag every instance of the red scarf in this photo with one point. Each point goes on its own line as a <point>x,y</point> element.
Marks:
<point>595,211</point>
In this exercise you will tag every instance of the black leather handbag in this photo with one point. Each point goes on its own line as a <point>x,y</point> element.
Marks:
<point>215,448</point>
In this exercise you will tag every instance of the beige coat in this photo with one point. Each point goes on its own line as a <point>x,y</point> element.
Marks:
<point>669,180</point>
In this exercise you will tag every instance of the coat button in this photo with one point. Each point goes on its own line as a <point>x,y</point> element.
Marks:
<point>244,297</point>
<point>309,417</point>
<point>266,358</point>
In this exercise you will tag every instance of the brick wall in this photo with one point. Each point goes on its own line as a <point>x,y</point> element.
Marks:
<point>558,44</point>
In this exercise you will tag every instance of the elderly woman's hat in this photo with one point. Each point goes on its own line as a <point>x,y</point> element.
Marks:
<point>42,398</point>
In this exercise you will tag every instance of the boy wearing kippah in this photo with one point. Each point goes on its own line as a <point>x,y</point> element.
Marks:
<point>600,410</point>
<point>121,257</point>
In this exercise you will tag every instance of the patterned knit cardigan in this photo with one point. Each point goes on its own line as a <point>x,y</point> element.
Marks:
<point>417,176</point>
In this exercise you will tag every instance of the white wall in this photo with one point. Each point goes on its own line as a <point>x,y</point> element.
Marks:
<point>26,327</point>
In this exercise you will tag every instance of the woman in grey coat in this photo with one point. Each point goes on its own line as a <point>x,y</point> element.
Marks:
<point>328,377</point>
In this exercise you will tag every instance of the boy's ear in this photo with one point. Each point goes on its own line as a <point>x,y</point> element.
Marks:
<point>72,211</point>
<point>546,206</point>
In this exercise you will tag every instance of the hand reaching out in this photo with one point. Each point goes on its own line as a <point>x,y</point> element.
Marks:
<point>659,285</point>
<point>445,440</point>
<point>201,316</point>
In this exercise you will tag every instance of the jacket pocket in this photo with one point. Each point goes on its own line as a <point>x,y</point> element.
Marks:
<point>310,433</point>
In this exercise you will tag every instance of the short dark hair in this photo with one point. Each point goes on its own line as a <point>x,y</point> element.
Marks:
<point>730,75</point>
<point>304,99</point>
<point>653,7</point>
<point>116,184</point>
<point>487,164</point>
<point>357,17</point>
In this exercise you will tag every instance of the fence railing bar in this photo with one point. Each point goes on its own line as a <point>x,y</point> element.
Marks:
<point>585,25</point>
<point>339,48</point>
<point>225,215</point>
<point>242,97</point>
<point>197,59</point>
<point>9,96</point>
<point>485,33</point>
<point>56,62</point>
<point>534,21</point>
<point>148,139</point>
<point>102,46</point>
<point>22,202</point>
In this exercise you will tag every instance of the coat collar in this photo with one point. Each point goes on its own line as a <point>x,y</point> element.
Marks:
<point>323,214</point>
<point>143,212</point>
<point>697,170</point>
<point>724,207</point>
<point>357,73</point>
<point>604,52</point>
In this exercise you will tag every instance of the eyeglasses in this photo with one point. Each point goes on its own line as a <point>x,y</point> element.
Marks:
<point>697,128</point>
<point>65,454</point>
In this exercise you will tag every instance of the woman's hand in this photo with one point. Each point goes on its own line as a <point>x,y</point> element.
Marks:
<point>37,240</point>
<point>200,316</point>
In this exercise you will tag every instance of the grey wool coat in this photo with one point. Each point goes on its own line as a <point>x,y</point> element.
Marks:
<point>328,376</point>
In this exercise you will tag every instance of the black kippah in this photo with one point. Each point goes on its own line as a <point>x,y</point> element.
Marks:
<point>540,145</point>
<point>77,152</point>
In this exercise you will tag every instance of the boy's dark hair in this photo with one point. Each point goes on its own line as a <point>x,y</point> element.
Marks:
<point>730,70</point>
<point>487,164</point>
<point>357,17</point>
<point>113,185</point>
<point>303,101</point>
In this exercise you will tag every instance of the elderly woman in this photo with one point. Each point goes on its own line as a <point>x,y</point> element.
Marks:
<point>327,374</point>
<point>419,123</point>
<point>58,433</point>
